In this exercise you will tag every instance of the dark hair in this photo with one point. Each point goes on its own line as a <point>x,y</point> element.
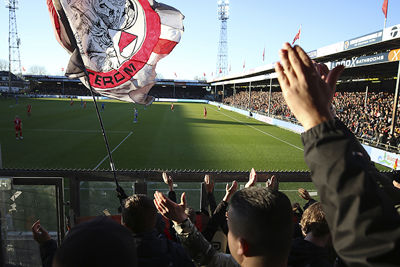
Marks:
<point>263,217</point>
<point>98,242</point>
<point>139,213</point>
<point>313,220</point>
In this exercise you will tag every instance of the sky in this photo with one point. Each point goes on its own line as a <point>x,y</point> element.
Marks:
<point>252,25</point>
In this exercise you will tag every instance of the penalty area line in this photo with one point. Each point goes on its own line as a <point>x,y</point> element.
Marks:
<point>299,148</point>
<point>106,157</point>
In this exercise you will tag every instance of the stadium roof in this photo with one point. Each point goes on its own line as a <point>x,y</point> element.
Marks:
<point>368,56</point>
<point>50,78</point>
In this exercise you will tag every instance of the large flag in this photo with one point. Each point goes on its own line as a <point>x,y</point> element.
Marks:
<point>385,7</point>
<point>297,37</point>
<point>116,43</point>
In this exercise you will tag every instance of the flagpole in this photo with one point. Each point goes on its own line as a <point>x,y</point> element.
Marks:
<point>120,191</point>
<point>384,25</point>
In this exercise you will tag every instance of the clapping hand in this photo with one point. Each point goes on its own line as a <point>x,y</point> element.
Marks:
<point>169,209</point>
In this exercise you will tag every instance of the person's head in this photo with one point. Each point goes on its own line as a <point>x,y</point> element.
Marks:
<point>260,225</point>
<point>139,214</point>
<point>313,221</point>
<point>98,242</point>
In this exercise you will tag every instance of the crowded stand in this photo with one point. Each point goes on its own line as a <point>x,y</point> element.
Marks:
<point>368,118</point>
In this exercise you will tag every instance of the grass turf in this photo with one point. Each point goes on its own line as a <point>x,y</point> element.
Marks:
<point>58,135</point>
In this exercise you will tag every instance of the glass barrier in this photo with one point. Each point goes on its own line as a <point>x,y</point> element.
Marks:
<point>95,197</point>
<point>20,207</point>
<point>99,197</point>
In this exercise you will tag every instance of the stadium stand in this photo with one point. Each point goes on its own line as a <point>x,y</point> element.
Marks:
<point>366,88</point>
<point>368,115</point>
<point>60,85</point>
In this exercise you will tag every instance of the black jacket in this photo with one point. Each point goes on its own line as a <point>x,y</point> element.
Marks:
<point>360,213</point>
<point>305,254</point>
<point>47,251</point>
<point>156,250</point>
<point>216,221</point>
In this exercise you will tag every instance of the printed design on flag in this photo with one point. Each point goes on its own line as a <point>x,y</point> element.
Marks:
<point>115,37</point>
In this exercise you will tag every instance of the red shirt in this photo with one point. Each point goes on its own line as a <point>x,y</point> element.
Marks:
<point>17,123</point>
<point>29,108</point>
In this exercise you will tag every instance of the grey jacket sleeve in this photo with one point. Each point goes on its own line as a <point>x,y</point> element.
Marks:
<point>199,249</point>
<point>365,226</point>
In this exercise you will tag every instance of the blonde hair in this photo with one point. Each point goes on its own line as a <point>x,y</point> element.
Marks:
<point>313,220</point>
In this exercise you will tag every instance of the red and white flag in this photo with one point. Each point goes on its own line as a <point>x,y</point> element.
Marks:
<point>23,69</point>
<point>297,37</point>
<point>204,74</point>
<point>116,43</point>
<point>176,76</point>
<point>264,54</point>
<point>244,64</point>
<point>385,7</point>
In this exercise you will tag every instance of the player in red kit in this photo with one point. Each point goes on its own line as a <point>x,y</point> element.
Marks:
<point>205,112</point>
<point>172,106</point>
<point>29,109</point>
<point>18,127</point>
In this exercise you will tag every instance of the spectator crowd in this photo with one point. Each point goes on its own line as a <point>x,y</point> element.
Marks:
<point>368,118</point>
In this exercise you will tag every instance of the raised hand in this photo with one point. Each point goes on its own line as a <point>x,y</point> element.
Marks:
<point>168,180</point>
<point>272,183</point>
<point>296,206</point>
<point>396,184</point>
<point>252,179</point>
<point>169,209</point>
<point>307,92</point>
<point>208,183</point>
<point>39,233</point>
<point>304,194</point>
<point>230,190</point>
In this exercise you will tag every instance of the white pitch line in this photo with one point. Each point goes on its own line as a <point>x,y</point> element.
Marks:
<point>66,130</point>
<point>299,148</point>
<point>98,165</point>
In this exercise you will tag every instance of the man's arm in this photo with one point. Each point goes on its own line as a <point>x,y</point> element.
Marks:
<point>198,247</point>
<point>209,186</point>
<point>48,246</point>
<point>168,180</point>
<point>363,223</point>
<point>306,196</point>
<point>218,219</point>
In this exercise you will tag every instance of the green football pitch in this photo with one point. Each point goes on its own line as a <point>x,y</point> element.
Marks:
<point>60,135</point>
